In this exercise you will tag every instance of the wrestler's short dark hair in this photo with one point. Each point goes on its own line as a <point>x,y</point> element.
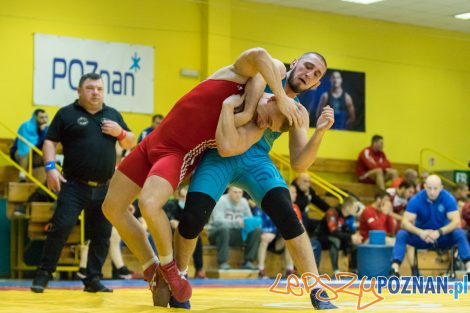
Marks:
<point>317,54</point>
<point>285,126</point>
<point>91,76</point>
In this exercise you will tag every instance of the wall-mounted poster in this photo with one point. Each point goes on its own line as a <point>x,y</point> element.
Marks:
<point>344,91</point>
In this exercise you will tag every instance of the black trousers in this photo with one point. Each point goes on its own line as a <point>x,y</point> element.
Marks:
<point>73,198</point>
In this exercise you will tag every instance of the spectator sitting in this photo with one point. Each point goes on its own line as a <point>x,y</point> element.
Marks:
<point>373,165</point>
<point>34,130</point>
<point>460,193</point>
<point>465,214</point>
<point>400,198</point>
<point>306,196</point>
<point>173,210</point>
<point>225,228</point>
<point>339,233</point>
<point>422,178</point>
<point>378,216</point>
<point>410,175</point>
<point>431,220</point>
<point>156,120</point>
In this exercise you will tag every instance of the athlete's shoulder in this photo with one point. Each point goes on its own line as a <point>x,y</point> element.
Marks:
<point>305,115</point>
<point>228,73</point>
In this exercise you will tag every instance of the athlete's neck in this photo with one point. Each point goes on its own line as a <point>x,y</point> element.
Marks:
<point>289,92</point>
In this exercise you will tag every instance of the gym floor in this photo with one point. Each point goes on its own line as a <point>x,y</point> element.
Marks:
<point>234,296</point>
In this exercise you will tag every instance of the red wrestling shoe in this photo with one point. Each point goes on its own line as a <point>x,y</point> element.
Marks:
<point>158,286</point>
<point>179,285</point>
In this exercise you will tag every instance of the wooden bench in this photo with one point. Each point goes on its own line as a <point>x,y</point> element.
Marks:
<point>430,264</point>
<point>33,225</point>
<point>235,260</point>
<point>342,173</point>
<point>17,194</point>
<point>349,166</point>
<point>40,214</point>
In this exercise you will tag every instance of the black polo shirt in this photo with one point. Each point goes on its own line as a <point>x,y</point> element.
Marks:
<point>89,154</point>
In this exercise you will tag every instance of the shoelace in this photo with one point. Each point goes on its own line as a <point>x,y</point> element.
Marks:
<point>172,275</point>
<point>153,282</point>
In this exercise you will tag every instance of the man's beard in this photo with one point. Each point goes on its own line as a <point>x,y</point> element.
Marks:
<point>294,87</point>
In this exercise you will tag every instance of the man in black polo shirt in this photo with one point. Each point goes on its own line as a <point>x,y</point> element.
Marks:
<point>87,130</point>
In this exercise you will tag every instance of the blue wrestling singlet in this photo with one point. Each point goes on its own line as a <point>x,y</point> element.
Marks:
<point>253,171</point>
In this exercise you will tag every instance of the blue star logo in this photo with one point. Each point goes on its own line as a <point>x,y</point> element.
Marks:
<point>135,62</point>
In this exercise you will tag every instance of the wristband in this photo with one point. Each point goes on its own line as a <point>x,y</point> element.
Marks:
<point>122,135</point>
<point>440,231</point>
<point>50,166</point>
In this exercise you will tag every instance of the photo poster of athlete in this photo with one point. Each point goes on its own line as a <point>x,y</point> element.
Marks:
<point>344,91</point>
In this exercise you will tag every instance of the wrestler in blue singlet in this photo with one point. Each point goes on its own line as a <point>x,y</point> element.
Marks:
<point>253,171</point>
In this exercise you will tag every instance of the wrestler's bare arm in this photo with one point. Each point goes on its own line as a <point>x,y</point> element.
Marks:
<point>230,139</point>
<point>254,89</point>
<point>303,151</point>
<point>273,71</point>
<point>258,60</point>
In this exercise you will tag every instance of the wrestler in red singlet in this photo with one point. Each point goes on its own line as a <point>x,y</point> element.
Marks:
<point>171,150</point>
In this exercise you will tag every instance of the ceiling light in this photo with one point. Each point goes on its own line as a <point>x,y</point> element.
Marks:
<point>362,1</point>
<point>463,16</point>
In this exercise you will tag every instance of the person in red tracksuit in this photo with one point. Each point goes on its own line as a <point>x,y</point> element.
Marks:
<point>378,216</point>
<point>373,165</point>
<point>400,197</point>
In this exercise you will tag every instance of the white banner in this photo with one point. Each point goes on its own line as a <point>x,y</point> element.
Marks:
<point>127,71</point>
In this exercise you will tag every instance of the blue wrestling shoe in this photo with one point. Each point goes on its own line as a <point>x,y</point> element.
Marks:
<point>179,305</point>
<point>319,304</point>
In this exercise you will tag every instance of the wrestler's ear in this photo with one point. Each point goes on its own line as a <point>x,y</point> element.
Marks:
<point>293,64</point>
